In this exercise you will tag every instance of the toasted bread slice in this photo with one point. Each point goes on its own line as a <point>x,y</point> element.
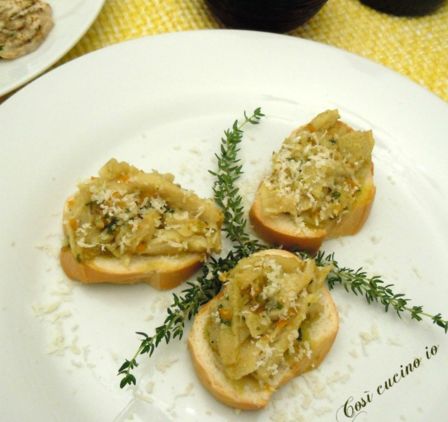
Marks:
<point>318,190</point>
<point>161,272</point>
<point>245,393</point>
<point>128,226</point>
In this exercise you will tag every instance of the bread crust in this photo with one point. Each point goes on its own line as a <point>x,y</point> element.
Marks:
<point>277,232</point>
<point>165,272</point>
<point>213,378</point>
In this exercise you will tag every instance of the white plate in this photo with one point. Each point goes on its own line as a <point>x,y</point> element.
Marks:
<point>163,102</point>
<point>71,18</point>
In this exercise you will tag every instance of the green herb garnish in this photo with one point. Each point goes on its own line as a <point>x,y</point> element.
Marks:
<point>208,285</point>
<point>226,193</point>
<point>111,225</point>
<point>374,289</point>
<point>184,307</point>
<point>335,194</point>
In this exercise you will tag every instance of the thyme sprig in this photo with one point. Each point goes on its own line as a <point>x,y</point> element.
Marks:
<point>374,289</point>
<point>207,285</point>
<point>225,190</point>
<point>184,307</point>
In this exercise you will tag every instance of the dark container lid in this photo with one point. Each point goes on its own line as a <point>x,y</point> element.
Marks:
<point>265,15</point>
<point>404,7</point>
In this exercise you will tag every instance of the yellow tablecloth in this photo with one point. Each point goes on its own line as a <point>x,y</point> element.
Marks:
<point>415,47</point>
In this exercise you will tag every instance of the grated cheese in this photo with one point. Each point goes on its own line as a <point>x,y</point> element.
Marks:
<point>74,347</point>
<point>316,175</point>
<point>58,343</point>
<point>60,315</point>
<point>369,336</point>
<point>164,363</point>
<point>142,395</point>
<point>394,342</point>
<point>187,391</point>
<point>338,377</point>
<point>46,308</point>
<point>320,411</point>
<point>49,250</point>
<point>354,353</point>
<point>316,386</point>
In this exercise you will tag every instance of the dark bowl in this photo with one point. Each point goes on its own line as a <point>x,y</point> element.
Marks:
<point>404,7</point>
<point>265,15</point>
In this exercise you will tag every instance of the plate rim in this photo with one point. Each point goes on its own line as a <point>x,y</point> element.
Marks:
<point>243,32</point>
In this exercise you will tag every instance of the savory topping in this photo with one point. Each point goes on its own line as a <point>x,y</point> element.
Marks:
<point>258,328</point>
<point>126,212</point>
<point>24,24</point>
<point>318,172</point>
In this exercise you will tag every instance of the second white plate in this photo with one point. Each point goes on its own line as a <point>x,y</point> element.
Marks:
<point>71,18</point>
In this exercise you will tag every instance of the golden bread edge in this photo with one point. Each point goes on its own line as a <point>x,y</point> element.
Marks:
<point>89,272</point>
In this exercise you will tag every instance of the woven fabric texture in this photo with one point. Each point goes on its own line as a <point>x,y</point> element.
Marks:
<point>415,47</point>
